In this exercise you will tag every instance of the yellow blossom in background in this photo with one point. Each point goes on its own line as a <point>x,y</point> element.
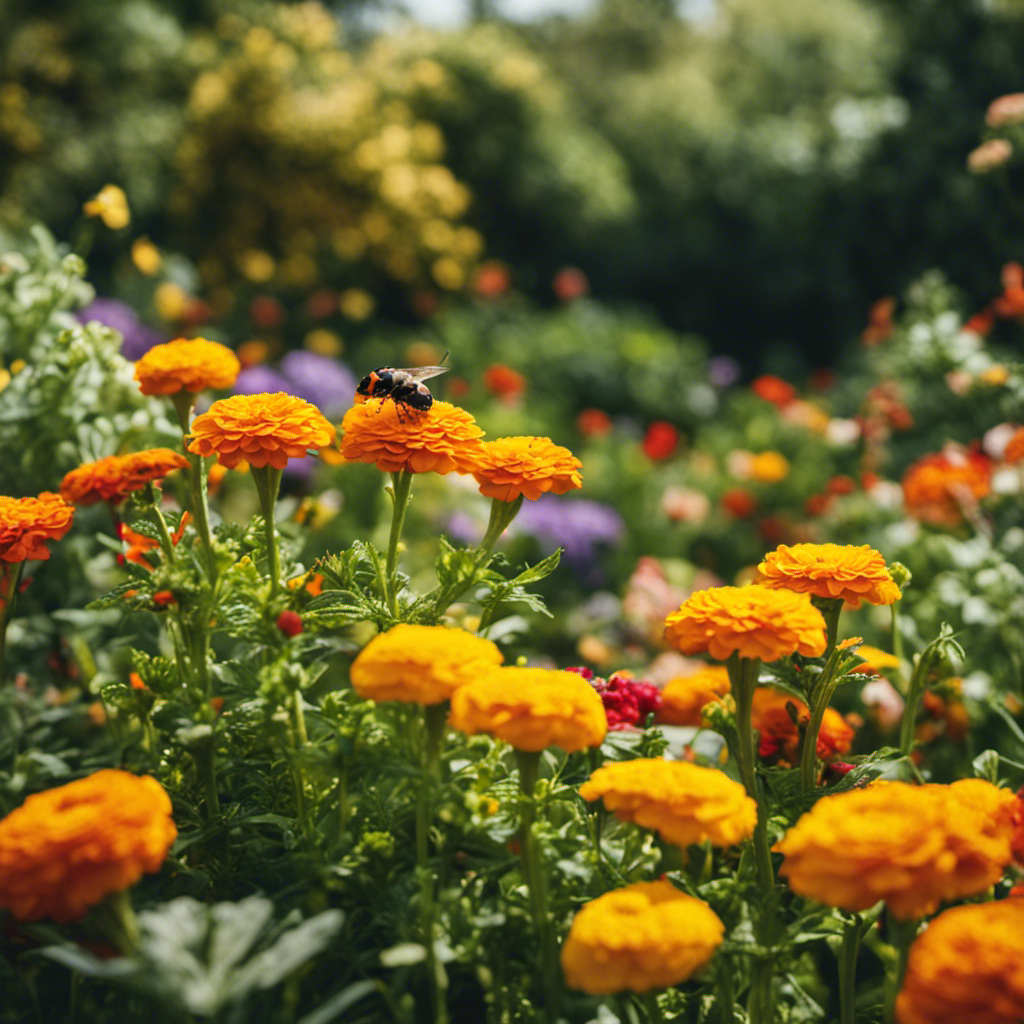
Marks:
<point>527,466</point>
<point>110,204</point>
<point>146,257</point>
<point>67,848</point>
<point>532,709</point>
<point>830,571</point>
<point>876,660</point>
<point>967,967</point>
<point>256,266</point>
<point>769,467</point>
<point>684,802</point>
<point>324,343</point>
<point>646,936</point>
<point>355,304</point>
<point>753,622</point>
<point>684,696</point>
<point>421,664</point>
<point>186,365</point>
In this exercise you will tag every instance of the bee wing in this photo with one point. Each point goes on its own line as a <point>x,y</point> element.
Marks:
<point>419,373</point>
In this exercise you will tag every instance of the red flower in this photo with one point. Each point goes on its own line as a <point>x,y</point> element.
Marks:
<point>739,502</point>
<point>594,423</point>
<point>289,622</point>
<point>774,389</point>
<point>503,381</point>
<point>627,702</point>
<point>660,441</point>
<point>491,280</point>
<point>570,283</point>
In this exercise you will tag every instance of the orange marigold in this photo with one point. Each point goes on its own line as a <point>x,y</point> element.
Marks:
<point>26,524</point>
<point>753,622</point>
<point>830,571</point>
<point>532,709</point>
<point>527,466</point>
<point>646,936</point>
<point>967,967</point>
<point>684,696</point>
<point>912,846</point>
<point>443,439</point>
<point>421,664</point>
<point>116,476</point>
<point>186,365</point>
<point>876,660</point>
<point>684,802</point>
<point>780,735</point>
<point>261,430</point>
<point>1014,450</point>
<point>64,850</point>
<point>937,487</point>
<point>137,544</point>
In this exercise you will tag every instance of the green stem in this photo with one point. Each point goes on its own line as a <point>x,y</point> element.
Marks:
<point>915,692</point>
<point>651,1005</point>
<point>901,935</point>
<point>897,640</point>
<point>533,870</point>
<point>10,578</point>
<point>299,719</point>
<point>401,482</point>
<point>116,917</point>
<point>848,952</point>
<point>502,514</point>
<point>268,482</point>
<point>726,999</point>
<point>197,474</point>
<point>820,697</point>
<point>743,676</point>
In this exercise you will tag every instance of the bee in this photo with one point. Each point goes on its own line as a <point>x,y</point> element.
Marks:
<point>404,387</point>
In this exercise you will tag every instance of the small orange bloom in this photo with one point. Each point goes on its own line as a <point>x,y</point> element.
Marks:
<point>503,381</point>
<point>683,697</point>
<point>137,545</point>
<point>880,324</point>
<point>938,487</point>
<point>780,735</point>
<point>594,423</point>
<point>186,365</point>
<point>773,389</point>
<point>769,467</point>
<point>115,477</point>
<point>739,503</point>
<point>261,430</point>
<point>830,571</point>
<point>528,466</point>
<point>1014,450</point>
<point>26,524</point>
<point>443,439</point>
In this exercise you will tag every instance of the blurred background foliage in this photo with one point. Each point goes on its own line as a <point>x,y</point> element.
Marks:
<point>756,173</point>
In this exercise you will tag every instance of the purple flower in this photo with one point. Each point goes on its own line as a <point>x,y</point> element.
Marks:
<point>723,371</point>
<point>464,529</point>
<point>137,338</point>
<point>322,381</point>
<point>261,380</point>
<point>579,526</point>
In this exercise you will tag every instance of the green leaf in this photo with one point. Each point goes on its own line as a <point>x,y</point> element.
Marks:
<point>337,1004</point>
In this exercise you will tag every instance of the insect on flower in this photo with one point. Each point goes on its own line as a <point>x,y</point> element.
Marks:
<point>404,387</point>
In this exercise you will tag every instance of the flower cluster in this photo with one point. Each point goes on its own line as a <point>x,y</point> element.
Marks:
<point>115,477</point>
<point>683,696</point>
<point>527,466</point>
<point>26,524</point>
<point>64,850</point>
<point>646,936</point>
<point>841,571</point>
<point>627,702</point>
<point>780,734</point>
<point>684,802</point>
<point>939,487</point>
<point>186,365</point>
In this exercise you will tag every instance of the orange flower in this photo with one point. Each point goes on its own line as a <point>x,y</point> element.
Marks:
<point>64,850</point>
<point>769,467</point>
<point>646,936</point>
<point>753,622</point>
<point>780,735</point>
<point>773,389</point>
<point>503,381</point>
<point>1014,450</point>
<point>186,365</point>
<point>113,478</point>
<point>137,544</point>
<point>966,967</point>
<point>594,423</point>
<point>876,661</point>
<point>443,439</point>
<point>683,697</point>
<point>26,524</point>
<point>738,502</point>
<point>938,487</point>
<point>527,466</point>
<point>261,430</point>
<point>830,571</point>
<point>532,709</point>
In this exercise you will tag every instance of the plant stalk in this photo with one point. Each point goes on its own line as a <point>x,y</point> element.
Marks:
<point>401,483</point>
<point>268,482</point>
<point>848,952</point>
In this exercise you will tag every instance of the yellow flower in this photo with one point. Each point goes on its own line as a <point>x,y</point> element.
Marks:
<point>116,476</point>
<point>753,622</point>
<point>442,439</point>
<point>528,466</point>
<point>830,571</point>
<point>646,936</point>
<point>967,967</point>
<point>64,850</point>
<point>146,256</point>
<point>683,697</point>
<point>769,467</point>
<point>912,846</point>
<point>684,802</point>
<point>110,204</point>
<point>186,365</point>
<point>875,659</point>
<point>421,664</point>
<point>26,524</point>
<point>532,709</point>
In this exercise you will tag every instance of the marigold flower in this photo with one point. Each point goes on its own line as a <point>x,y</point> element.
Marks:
<point>830,571</point>
<point>594,423</point>
<point>527,466</point>
<point>442,439</point>
<point>110,204</point>
<point>421,664</point>
<point>113,478</point>
<point>26,524</point>
<point>780,735</point>
<point>769,467</point>
<point>260,430</point>
<point>937,487</point>
<point>137,545</point>
<point>684,802</point>
<point>753,622</point>
<point>186,365</point>
<point>1013,453</point>
<point>646,936</point>
<point>504,382</point>
<point>876,660</point>
<point>739,502</point>
<point>912,846</point>
<point>64,850</point>
<point>966,967</point>
<point>773,389</point>
<point>532,709</point>
<point>684,696</point>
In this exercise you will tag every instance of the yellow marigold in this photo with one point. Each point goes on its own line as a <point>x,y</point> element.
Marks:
<point>532,709</point>
<point>876,660</point>
<point>912,846</point>
<point>646,936</point>
<point>186,365</point>
<point>64,850</point>
<point>967,967</point>
<point>683,697</point>
<point>769,467</point>
<point>110,204</point>
<point>116,476</point>
<point>753,622</point>
<point>527,466</point>
<point>261,430</point>
<point>684,802</point>
<point>830,570</point>
<point>26,524</point>
<point>421,664</point>
<point>442,439</point>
